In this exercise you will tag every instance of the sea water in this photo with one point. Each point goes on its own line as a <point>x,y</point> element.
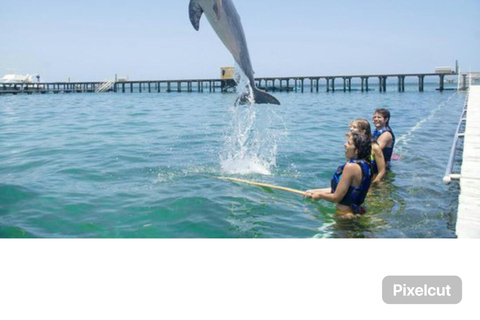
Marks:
<point>148,165</point>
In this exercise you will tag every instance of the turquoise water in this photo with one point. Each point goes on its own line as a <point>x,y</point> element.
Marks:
<point>146,165</point>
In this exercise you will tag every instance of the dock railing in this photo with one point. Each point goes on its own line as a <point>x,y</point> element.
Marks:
<point>459,79</point>
<point>449,175</point>
<point>105,85</point>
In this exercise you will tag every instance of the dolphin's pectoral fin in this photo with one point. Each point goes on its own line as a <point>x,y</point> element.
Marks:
<point>217,7</point>
<point>195,11</point>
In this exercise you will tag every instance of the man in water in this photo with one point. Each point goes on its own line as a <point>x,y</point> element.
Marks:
<point>383,134</point>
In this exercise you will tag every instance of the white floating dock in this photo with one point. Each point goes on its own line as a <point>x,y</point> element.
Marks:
<point>468,219</point>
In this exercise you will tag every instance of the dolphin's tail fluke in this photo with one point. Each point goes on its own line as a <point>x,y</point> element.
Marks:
<point>261,96</point>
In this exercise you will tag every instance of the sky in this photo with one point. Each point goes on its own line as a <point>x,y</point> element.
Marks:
<point>93,40</point>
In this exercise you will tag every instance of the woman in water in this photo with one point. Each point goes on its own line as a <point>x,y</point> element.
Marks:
<point>351,181</point>
<point>383,134</point>
<point>377,160</point>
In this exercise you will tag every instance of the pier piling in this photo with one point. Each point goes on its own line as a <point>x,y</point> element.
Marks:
<point>442,82</point>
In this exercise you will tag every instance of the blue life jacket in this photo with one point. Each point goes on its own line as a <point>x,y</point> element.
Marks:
<point>387,151</point>
<point>355,196</point>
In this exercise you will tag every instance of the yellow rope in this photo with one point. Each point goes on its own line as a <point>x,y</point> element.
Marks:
<point>258,184</point>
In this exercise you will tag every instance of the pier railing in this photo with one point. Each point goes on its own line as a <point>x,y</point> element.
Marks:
<point>105,85</point>
<point>449,174</point>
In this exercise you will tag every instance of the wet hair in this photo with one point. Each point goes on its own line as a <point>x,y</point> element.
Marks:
<point>364,125</point>
<point>385,113</point>
<point>362,143</point>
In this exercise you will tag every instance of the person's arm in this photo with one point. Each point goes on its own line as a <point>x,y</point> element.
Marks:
<point>380,161</point>
<point>384,140</point>
<point>342,188</point>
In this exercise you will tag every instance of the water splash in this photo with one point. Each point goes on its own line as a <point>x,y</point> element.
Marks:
<point>244,89</point>
<point>250,141</point>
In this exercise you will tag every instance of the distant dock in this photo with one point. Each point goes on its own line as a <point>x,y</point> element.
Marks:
<point>297,84</point>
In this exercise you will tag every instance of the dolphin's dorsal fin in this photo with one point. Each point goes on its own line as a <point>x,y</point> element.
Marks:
<point>195,12</point>
<point>217,7</point>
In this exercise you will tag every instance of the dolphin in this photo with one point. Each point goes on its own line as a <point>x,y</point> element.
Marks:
<point>225,20</point>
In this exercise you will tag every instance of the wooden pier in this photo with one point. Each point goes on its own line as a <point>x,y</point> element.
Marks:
<point>298,84</point>
<point>468,219</point>
<point>313,82</point>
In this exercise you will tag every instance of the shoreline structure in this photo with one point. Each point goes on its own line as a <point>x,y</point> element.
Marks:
<point>297,84</point>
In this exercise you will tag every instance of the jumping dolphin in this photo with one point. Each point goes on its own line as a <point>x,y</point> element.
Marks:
<point>225,20</point>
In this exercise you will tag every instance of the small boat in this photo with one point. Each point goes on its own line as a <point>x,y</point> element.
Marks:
<point>15,78</point>
<point>19,83</point>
